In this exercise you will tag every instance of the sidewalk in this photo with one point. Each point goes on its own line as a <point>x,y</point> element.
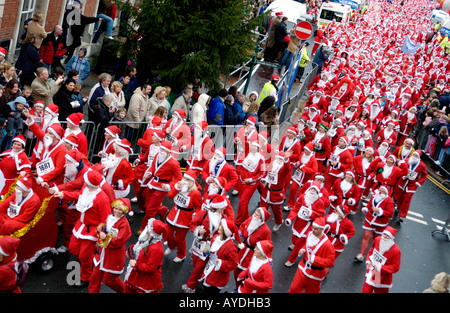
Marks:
<point>436,173</point>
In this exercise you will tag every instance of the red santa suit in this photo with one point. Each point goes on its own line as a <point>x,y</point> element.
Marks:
<point>219,167</point>
<point>258,276</point>
<point>317,98</point>
<point>377,221</point>
<point>109,262</point>
<point>322,147</point>
<point>186,204</point>
<point>243,138</point>
<point>361,166</point>
<point>11,164</point>
<point>342,91</point>
<point>292,149</point>
<point>402,152</point>
<point>345,193</point>
<point>208,198</point>
<point>207,221</point>
<point>202,148</point>
<point>273,190</point>
<point>339,229</point>
<point>344,161</point>
<point>250,173</point>
<point>146,274</point>
<point>252,231</point>
<point>94,206</point>
<point>8,276</point>
<point>17,210</point>
<point>178,133</point>
<point>381,263</point>
<point>108,145</point>
<point>223,257</point>
<point>304,133</point>
<point>384,175</point>
<point>319,255</point>
<point>406,123</point>
<point>376,115</point>
<point>164,174</point>
<point>119,172</point>
<point>389,135</point>
<point>305,169</point>
<point>304,212</point>
<point>408,184</point>
<point>76,119</point>
<point>312,116</point>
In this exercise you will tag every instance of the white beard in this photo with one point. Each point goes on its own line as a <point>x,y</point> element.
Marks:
<point>214,221</point>
<point>47,141</point>
<point>312,240</point>
<point>378,197</point>
<point>70,172</point>
<point>305,158</point>
<point>312,115</point>
<point>110,221</point>
<point>413,160</point>
<point>161,156</point>
<point>310,198</point>
<point>411,116</point>
<point>387,170</point>
<point>251,161</point>
<point>277,165</point>
<point>212,164</point>
<point>254,224</point>
<point>112,161</point>
<point>212,190</point>
<point>332,218</point>
<point>382,150</point>
<point>86,200</point>
<point>345,186</point>
<point>19,196</point>
<point>385,245</point>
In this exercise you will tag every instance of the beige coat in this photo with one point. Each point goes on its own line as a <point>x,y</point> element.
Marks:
<point>35,34</point>
<point>271,36</point>
<point>137,108</point>
<point>43,90</point>
<point>153,104</point>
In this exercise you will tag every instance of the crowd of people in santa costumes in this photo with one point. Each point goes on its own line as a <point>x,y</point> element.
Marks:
<point>351,152</point>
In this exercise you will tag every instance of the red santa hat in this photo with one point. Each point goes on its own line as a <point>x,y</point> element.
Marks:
<point>190,174</point>
<point>8,245</point>
<point>3,51</point>
<point>156,121</point>
<point>39,104</point>
<point>344,139</point>
<point>159,135</point>
<point>280,13</point>
<point>203,125</point>
<point>125,144</point>
<point>53,109</point>
<point>166,145</point>
<point>265,214</point>
<point>113,130</point>
<point>280,155</point>
<point>92,179</point>
<point>75,119</point>
<point>56,130</point>
<point>218,202</point>
<point>418,153</point>
<point>98,167</point>
<point>309,146</point>
<point>390,231</point>
<point>316,186</point>
<point>221,182</point>
<point>343,210</point>
<point>293,130</point>
<point>124,204</point>
<point>20,139</point>
<point>251,120</point>
<point>255,143</point>
<point>351,172</point>
<point>158,227</point>
<point>266,248</point>
<point>319,223</point>
<point>25,183</point>
<point>181,114</point>
<point>264,136</point>
<point>384,188</point>
<point>74,156</point>
<point>72,139</point>
<point>230,229</point>
<point>221,151</point>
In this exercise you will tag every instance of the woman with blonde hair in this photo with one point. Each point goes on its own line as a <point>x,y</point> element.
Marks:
<point>118,94</point>
<point>439,284</point>
<point>35,31</point>
<point>158,99</point>
<point>8,72</point>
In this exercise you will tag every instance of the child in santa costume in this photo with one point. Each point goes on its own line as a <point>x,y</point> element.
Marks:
<point>308,207</point>
<point>408,184</point>
<point>109,261</point>
<point>14,163</point>
<point>19,208</point>
<point>187,202</point>
<point>378,212</point>
<point>204,226</point>
<point>340,229</point>
<point>305,169</point>
<point>73,127</point>
<point>346,192</point>
<point>164,173</point>
<point>222,259</point>
<point>341,159</point>
<point>144,271</point>
<point>322,146</point>
<point>383,260</point>
<point>94,206</point>
<point>216,167</point>
<point>318,255</point>
<point>291,148</point>
<point>250,173</point>
<point>253,230</point>
<point>258,276</point>
<point>178,133</point>
<point>8,262</point>
<point>202,148</point>
<point>118,170</point>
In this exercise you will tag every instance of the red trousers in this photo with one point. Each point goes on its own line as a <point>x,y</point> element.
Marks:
<point>245,194</point>
<point>298,243</point>
<point>276,210</point>
<point>302,283</point>
<point>83,249</point>
<point>293,194</point>
<point>404,202</point>
<point>176,238</point>
<point>199,266</point>
<point>111,280</point>
<point>69,218</point>
<point>371,289</point>
<point>153,206</point>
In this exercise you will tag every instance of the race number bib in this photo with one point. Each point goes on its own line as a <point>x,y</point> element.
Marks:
<point>317,145</point>
<point>45,167</point>
<point>412,175</point>
<point>304,213</point>
<point>311,124</point>
<point>195,150</point>
<point>297,174</point>
<point>13,210</point>
<point>199,248</point>
<point>182,200</point>
<point>334,158</point>
<point>272,178</point>
<point>377,257</point>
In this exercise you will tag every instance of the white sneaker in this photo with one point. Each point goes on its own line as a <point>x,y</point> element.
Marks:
<point>178,260</point>
<point>287,208</point>
<point>276,227</point>
<point>359,257</point>
<point>62,249</point>
<point>134,200</point>
<point>235,193</point>
<point>288,264</point>
<point>110,37</point>
<point>168,251</point>
<point>291,247</point>
<point>186,289</point>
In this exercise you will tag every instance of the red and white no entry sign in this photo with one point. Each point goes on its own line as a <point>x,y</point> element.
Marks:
<point>303,30</point>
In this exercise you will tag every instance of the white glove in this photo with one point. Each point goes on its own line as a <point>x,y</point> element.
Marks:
<point>75,104</point>
<point>333,198</point>
<point>364,210</point>
<point>351,201</point>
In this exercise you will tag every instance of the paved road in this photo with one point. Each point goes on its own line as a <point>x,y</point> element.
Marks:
<point>422,254</point>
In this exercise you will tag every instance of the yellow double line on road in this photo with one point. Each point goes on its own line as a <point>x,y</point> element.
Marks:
<point>437,183</point>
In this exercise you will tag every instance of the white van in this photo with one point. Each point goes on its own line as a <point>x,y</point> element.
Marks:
<point>445,29</point>
<point>439,16</point>
<point>353,4</point>
<point>295,11</point>
<point>333,11</point>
